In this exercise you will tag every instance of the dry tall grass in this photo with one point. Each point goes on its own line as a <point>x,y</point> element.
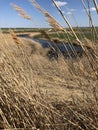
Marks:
<point>38,94</point>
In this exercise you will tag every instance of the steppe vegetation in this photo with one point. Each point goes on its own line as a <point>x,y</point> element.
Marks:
<point>41,94</point>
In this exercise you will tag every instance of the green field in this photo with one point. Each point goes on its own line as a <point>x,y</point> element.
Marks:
<point>82,33</point>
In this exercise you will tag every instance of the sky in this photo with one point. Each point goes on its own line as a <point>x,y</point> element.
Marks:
<point>72,9</point>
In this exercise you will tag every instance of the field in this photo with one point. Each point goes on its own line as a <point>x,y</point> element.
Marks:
<point>81,33</point>
<point>40,89</point>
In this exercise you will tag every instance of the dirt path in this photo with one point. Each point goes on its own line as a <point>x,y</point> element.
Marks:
<point>31,34</point>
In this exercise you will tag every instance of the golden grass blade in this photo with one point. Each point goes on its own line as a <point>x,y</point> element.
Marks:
<point>21,12</point>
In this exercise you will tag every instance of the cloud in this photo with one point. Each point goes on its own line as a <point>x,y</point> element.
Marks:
<point>60,3</point>
<point>72,10</point>
<point>92,9</point>
<point>69,13</point>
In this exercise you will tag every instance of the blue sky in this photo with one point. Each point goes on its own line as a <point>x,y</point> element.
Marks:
<point>72,9</point>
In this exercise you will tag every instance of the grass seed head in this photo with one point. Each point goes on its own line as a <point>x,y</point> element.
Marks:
<point>21,12</point>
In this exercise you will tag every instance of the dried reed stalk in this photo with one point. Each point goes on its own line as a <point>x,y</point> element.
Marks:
<point>60,11</point>
<point>89,16</point>
<point>53,23</point>
<point>37,6</point>
<point>96,5</point>
<point>65,19</point>
<point>21,12</point>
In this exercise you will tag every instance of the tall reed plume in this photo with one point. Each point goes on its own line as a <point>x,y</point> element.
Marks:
<point>53,23</point>
<point>21,12</point>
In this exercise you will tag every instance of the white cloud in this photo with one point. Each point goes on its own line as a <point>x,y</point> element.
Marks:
<point>72,10</point>
<point>60,3</point>
<point>63,12</point>
<point>69,13</point>
<point>92,9</point>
